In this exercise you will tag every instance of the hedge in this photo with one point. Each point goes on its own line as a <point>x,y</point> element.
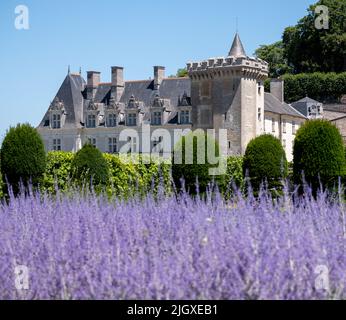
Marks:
<point>323,87</point>
<point>126,176</point>
<point>319,154</point>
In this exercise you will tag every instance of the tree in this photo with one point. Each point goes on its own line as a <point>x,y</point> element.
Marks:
<point>90,167</point>
<point>23,157</point>
<point>309,49</point>
<point>191,162</point>
<point>182,73</point>
<point>319,154</point>
<point>274,55</point>
<point>265,161</point>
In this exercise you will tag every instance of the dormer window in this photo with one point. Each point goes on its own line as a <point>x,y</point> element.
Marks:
<point>111,120</point>
<point>132,119</point>
<point>156,118</point>
<point>57,112</point>
<point>184,117</point>
<point>56,121</point>
<point>91,121</point>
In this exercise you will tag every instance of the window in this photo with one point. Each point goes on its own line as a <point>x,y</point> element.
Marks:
<point>284,126</point>
<point>91,121</point>
<point>56,121</point>
<point>92,141</point>
<point>57,144</point>
<point>156,144</point>
<point>259,114</point>
<point>284,144</point>
<point>132,119</point>
<point>112,145</point>
<point>112,120</point>
<point>157,118</point>
<point>259,88</point>
<point>133,144</point>
<point>185,117</point>
<point>273,125</point>
<point>294,128</point>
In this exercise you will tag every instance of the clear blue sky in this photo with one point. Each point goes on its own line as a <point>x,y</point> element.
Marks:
<point>135,34</point>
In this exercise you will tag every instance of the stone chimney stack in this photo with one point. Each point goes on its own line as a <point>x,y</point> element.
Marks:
<point>159,74</point>
<point>118,84</point>
<point>277,89</point>
<point>93,82</point>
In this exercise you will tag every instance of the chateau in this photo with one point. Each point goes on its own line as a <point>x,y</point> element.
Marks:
<point>219,93</point>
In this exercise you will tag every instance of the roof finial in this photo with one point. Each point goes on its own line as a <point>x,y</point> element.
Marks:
<point>80,71</point>
<point>69,69</point>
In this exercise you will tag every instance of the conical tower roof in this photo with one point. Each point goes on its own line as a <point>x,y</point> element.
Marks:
<point>237,47</point>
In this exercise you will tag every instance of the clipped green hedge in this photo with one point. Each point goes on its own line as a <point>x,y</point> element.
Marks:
<point>126,176</point>
<point>319,154</point>
<point>322,87</point>
<point>265,160</point>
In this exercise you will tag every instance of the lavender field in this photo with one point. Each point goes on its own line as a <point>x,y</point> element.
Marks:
<point>89,248</point>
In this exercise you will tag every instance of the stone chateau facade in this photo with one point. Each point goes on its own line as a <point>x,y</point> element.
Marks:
<point>219,93</point>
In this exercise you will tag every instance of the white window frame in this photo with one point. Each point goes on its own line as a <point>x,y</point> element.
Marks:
<point>112,145</point>
<point>56,121</point>
<point>131,119</point>
<point>92,141</point>
<point>56,144</point>
<point>185,117</point>
<point>157,118</point>
<point>91,120</point>
<point>111,120</point>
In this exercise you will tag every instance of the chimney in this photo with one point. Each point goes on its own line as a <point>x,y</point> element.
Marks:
<point>277,89</point>
<point>118,84</point>
<point>93,82</point>
<point>159,74</point>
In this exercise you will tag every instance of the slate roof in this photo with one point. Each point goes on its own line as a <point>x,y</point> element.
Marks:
<point>73,94</point>
<point>70,93</point>
<point>237,48</point>
<point>274,105</point>
<point>306,100</point>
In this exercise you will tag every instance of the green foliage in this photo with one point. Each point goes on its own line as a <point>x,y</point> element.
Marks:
<point>274,55</point>
<point>234,176</point>
<point>23,157</point>
<point>265,160</point>
<point>89,166</point>
<point>195,164</point>
<point>308,49</point>
<point>58,171</point>
<point>318,86</point>
<point>319,153</point>
<point>182,73</point>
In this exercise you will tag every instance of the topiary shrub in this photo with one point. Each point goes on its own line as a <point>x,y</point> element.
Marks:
<point>23,156</point>
<point>194,165</point>
<point>90,167</point>
<point>319,154</point>
<point>265,161</point>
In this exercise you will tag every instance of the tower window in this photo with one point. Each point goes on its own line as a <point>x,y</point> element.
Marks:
<point>185,117</point>
<point>284,126</point>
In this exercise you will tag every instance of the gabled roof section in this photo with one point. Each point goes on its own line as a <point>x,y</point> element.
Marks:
<point>237,49</point>
<point>70,94</point>
<point>306,100</point>
<point>274,105</point>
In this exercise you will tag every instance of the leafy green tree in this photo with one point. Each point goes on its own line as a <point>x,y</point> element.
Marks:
<point>182,73</point>
<point>89,166</point>
<point>274,55</point>
<point>309,49</point>
<point>265,161</point>
<point>319,154</point>
<point>23,157</point>
<point>191,162</point>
